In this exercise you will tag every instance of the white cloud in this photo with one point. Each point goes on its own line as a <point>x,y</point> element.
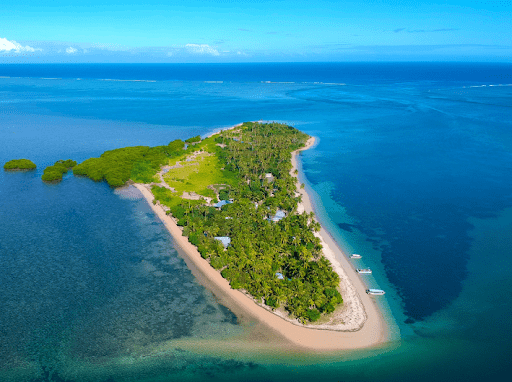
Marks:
<point>71,50</point>
<point>202,49</point>
<point>13,46</point>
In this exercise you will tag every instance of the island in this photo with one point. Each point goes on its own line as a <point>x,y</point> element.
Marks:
<point>54,173</point>
<point>19,164</point>
<point>234,205</point>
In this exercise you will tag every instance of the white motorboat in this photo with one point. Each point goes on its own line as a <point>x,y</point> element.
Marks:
<point>375,292</point>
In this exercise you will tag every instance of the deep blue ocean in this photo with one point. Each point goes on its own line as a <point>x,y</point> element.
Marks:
<point>412,169</point>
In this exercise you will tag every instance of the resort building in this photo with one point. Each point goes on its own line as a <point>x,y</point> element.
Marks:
<point>222,203</point>
<point>278,216</point>
<point>225,240</point>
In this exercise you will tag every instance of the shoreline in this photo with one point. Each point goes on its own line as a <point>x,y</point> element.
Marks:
<point>217,131</point>
<point>362,325</point>
<point>353,288</point>
<point>352,315</point>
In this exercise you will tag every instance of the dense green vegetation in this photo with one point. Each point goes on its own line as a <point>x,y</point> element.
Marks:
<point>55,172</point>
<point>260,248</point>
<point>278,263</point>
<point>195,139</point>
<point>19,164</point>
<point>139,163</point>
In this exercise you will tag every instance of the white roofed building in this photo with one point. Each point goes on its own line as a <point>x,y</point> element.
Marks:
<point>225,240</point>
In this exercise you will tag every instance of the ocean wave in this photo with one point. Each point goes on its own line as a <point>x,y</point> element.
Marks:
<point>118,80</point>
<point>278,82</point>
<point>324,83</point>
<point>305,83</point>
<point>484,86</point>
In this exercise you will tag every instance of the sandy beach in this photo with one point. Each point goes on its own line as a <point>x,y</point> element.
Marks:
<point>224,129</point>
<point>358,324</point>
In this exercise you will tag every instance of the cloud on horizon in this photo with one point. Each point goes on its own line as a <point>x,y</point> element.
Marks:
<point>14,47</point>
<point>72,51</point>
<point>62,51</point>
<point>203,49</point>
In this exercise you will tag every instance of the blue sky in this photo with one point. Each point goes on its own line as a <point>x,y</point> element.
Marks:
<point>255,31</point>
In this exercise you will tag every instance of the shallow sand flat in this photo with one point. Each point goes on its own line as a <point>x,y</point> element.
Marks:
<point>359,308</point>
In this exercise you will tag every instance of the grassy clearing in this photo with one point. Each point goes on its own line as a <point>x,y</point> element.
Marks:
<point>199,172</point>
<point>170,199</point>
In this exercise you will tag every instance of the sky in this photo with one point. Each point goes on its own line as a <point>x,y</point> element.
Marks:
<point>147,31</point>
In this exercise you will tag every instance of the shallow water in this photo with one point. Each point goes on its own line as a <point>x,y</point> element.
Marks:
<point>411,166</point>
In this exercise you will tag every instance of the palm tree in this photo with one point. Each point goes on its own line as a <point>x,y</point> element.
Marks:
<point>315,226</point>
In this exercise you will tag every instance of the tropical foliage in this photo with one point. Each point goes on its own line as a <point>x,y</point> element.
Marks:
<point>279,263</point>
<point>55,172</point>
<point>260,249</point>
<point>195,139</point>
<point>19,164</point>
<point>139,163</point>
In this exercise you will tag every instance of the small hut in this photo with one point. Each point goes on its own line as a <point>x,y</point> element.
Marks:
<point>280,214</point>
<point>225,240</point>
<point>222,203</point>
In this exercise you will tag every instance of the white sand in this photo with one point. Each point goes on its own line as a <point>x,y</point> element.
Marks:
<point>224,129</point>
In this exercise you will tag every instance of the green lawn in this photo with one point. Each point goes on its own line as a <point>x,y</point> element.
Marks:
<point>197,174</point>
<point>170,199</point>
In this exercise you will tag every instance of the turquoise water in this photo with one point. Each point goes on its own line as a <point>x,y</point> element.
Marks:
<point>411,169</point>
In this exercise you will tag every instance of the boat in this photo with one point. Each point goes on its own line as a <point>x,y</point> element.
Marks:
<point>355,256</point>
<point>364,271</point>
<point>375,292</point>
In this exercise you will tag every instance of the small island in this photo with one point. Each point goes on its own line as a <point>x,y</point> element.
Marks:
<point>55,172</point>
<point>233,203</point>
<point>20,164</point>
<point>235,200</point>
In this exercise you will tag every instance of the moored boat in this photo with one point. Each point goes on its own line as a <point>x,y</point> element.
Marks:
<point>364,271</point>
<point>375,292</point>
<point>355,256</point>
